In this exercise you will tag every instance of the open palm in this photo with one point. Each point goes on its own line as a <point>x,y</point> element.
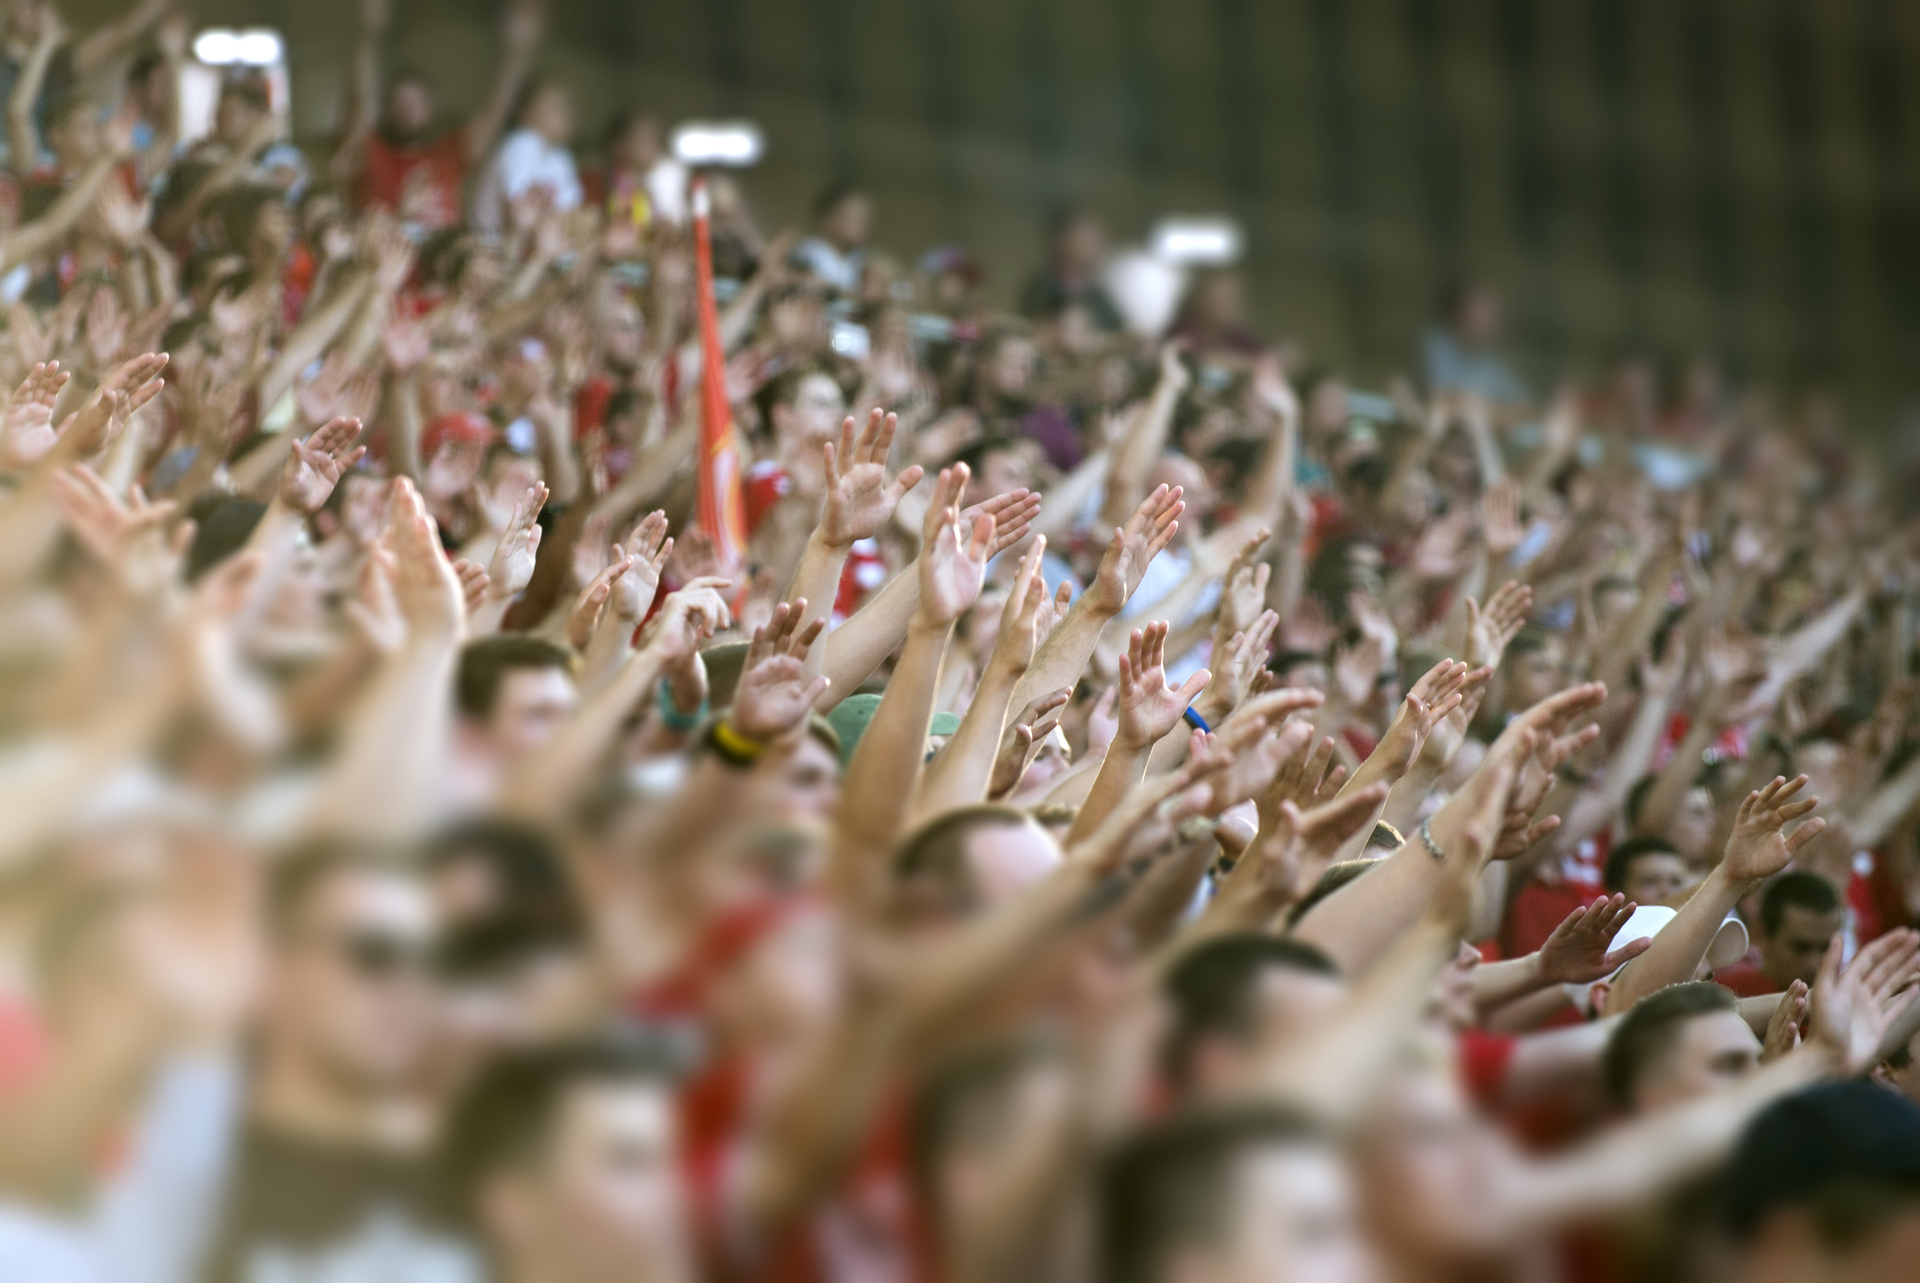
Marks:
<point>1148,707</point>
<point>860,495</point>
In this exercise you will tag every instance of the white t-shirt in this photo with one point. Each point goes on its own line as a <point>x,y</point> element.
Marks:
<point>525,161</point>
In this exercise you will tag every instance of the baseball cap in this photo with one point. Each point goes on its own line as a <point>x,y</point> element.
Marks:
<point>851,715</point>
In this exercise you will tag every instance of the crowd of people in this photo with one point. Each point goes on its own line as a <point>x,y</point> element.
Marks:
<point>1136,809</point>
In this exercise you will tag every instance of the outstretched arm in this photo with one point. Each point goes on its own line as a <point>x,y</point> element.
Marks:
<point>525,23</point>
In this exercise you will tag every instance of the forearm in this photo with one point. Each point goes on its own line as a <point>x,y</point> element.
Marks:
<point>553,777</point>
<point>1404,799</point>
<point>310,340</point>
<point>38,236</point>
<point>1063,656</point>
<point>1640,1161</point>
<point>1675,779</point>
<point>1497,983</point>
<point>1680,946</point>
<point>817,579</point>
<point>959,773</point>
<point>879,782</point>
<point>1120,773</point>
<point>385,784</point>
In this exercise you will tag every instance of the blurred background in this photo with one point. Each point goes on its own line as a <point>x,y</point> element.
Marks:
<point>1659,177</point>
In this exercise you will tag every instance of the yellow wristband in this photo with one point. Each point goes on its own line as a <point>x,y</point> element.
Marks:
<point>734,746</point>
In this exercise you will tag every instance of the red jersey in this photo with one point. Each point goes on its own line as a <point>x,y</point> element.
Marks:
<point>421,184</point>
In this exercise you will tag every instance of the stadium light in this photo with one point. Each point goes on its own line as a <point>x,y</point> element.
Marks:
<point>223,47</point>
<point>1211,241</point>
<point>733,144</point>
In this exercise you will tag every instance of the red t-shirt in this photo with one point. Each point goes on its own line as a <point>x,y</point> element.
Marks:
<point>422,184</point>
<point>1746,980</point>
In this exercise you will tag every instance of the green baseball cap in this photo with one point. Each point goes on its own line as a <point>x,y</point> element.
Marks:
<point>850,716</point>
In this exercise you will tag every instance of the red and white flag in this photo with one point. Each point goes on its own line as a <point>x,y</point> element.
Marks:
<point>722,514</point>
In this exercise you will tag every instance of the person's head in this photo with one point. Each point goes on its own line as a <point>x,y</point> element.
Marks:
<point>802,407</point>
<point>1243,1195</point>
<point>1536,668</point>
<point>1235,994</point>
<point>74,131</point>
<point>351,1002</point>
<point>995,465</point>
<point>1428,1167</point>
<point>244,102</point>
<point>636,141</point>
<point>1215,302</point>
<point>843,215</point>
<point>1680,1043</point>
<point>515,690</point>
<point>409,108</point>
<point>969,859</point>
<point>1799,914</point>
<point>546,108</point>
<point>1900,1071</point>
<point>1300,669</point>
<point>567,1160</point>
<point>967,1121</point>
<point>1825,1184</point>
<point>1614,597</point>
<point>1472,310</point>
<point>803,784</point>
<point>1006,361</point>
<point>1647,870</point>
<point>1078,240</point>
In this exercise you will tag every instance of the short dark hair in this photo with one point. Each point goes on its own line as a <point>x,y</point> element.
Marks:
<point>223,529</point>
<point>504,1119</point>
<point>934,856</point>
<point>1212,989</point>
<point>1620,859</point>
<point>1171,1185</point>
<point>784,389</point>
<point>1800,889</point>
<point>537,910</point>
<point>1647,1031</point>
<point>484,666</point>
<point>833,194</point>
<point>1529,639</point>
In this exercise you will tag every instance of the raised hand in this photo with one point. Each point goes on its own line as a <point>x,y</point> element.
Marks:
<point>860,498</point>
<point>1491,627</point>
<point>128,536</point>
<point>27,433</point>
<point>1758,848</point>
<point>1020,631</point>
<point>424,583</point>
<point>644,553</point>
<point>1133,546</point>
<point>474,582</point>
<point>316,464</point>
<point>1237,662</point>
<point>1577,953</point>
<point>1148,707</point>
<point>1243,591</point>
<point>1851,1009</point>
<point>585,616</point>
<point>689,617</point>
<point>1012,513</point>
<point>1029,727</point>
<point>1295,846</point>
<point>1304,777</point>
<point>1787,1022</point>
<point>953,557</point>
<point>511,569</point>
<point>1438,692</point>
<point>774,696</point>
<point>1500,519</point>
<point>89,429</point>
